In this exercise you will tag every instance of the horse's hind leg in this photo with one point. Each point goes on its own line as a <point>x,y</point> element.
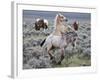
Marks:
<point>62,56</point>
<point>48,50</point>
<point>51,56</point>
<point>74,43</point>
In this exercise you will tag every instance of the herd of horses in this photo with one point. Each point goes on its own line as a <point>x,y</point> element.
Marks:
<point>59,38</point>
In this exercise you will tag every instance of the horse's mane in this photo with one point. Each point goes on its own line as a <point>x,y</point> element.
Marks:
<point>55,21</point>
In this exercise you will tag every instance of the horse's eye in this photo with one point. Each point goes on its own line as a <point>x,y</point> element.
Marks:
<point>62,17</point>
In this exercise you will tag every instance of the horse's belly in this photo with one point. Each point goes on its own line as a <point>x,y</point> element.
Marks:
<point>58,42</point>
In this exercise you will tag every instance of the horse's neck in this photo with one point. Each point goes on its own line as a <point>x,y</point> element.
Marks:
<point>58,26</point>
<point>57,29</point>
<point>58,23</point>
<point>57,33</point>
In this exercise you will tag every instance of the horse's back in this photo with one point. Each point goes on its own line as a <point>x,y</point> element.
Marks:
<point>56,41</point>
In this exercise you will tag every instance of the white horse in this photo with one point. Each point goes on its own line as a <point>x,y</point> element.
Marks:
<point>58,38</point>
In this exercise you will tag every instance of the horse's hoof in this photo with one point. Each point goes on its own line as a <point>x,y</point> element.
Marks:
<point>62,57</point>
<point>54,62</point>
<point>59,63</point>
<point>51,58</point>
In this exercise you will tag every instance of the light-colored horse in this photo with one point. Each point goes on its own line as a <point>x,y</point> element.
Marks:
<point>58,38</point>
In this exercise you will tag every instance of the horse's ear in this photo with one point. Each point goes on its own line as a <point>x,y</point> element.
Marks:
<point>59,14</point>
<point>56,14</point>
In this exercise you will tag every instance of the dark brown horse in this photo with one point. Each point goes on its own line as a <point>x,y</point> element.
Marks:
<point>41,23</point>
<point>75,25</point>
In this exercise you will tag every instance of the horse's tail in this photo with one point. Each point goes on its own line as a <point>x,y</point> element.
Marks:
<point>43,42</point>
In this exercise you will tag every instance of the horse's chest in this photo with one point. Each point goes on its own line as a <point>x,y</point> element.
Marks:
<point>58,41</point>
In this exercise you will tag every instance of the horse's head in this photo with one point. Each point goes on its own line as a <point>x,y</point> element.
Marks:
<point>59,23</point>
<point>60,18</point>
<point>76,25</point>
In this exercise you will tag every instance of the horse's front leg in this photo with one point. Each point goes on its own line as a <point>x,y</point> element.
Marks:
<point>73,44</point>
<point>62,56</point>
<point>51,56</point>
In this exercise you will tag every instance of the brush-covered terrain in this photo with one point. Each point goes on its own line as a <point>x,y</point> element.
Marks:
<point>34,57</point>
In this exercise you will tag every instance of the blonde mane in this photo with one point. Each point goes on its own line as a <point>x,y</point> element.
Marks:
<point>56,21</point>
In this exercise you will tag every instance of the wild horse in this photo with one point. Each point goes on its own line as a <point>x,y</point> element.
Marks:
<point>59,38</point>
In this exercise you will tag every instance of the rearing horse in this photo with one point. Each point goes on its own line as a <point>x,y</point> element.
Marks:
<point>58,38</point>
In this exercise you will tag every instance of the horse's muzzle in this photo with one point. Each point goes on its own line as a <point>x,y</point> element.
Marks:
<point>66,20</point>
